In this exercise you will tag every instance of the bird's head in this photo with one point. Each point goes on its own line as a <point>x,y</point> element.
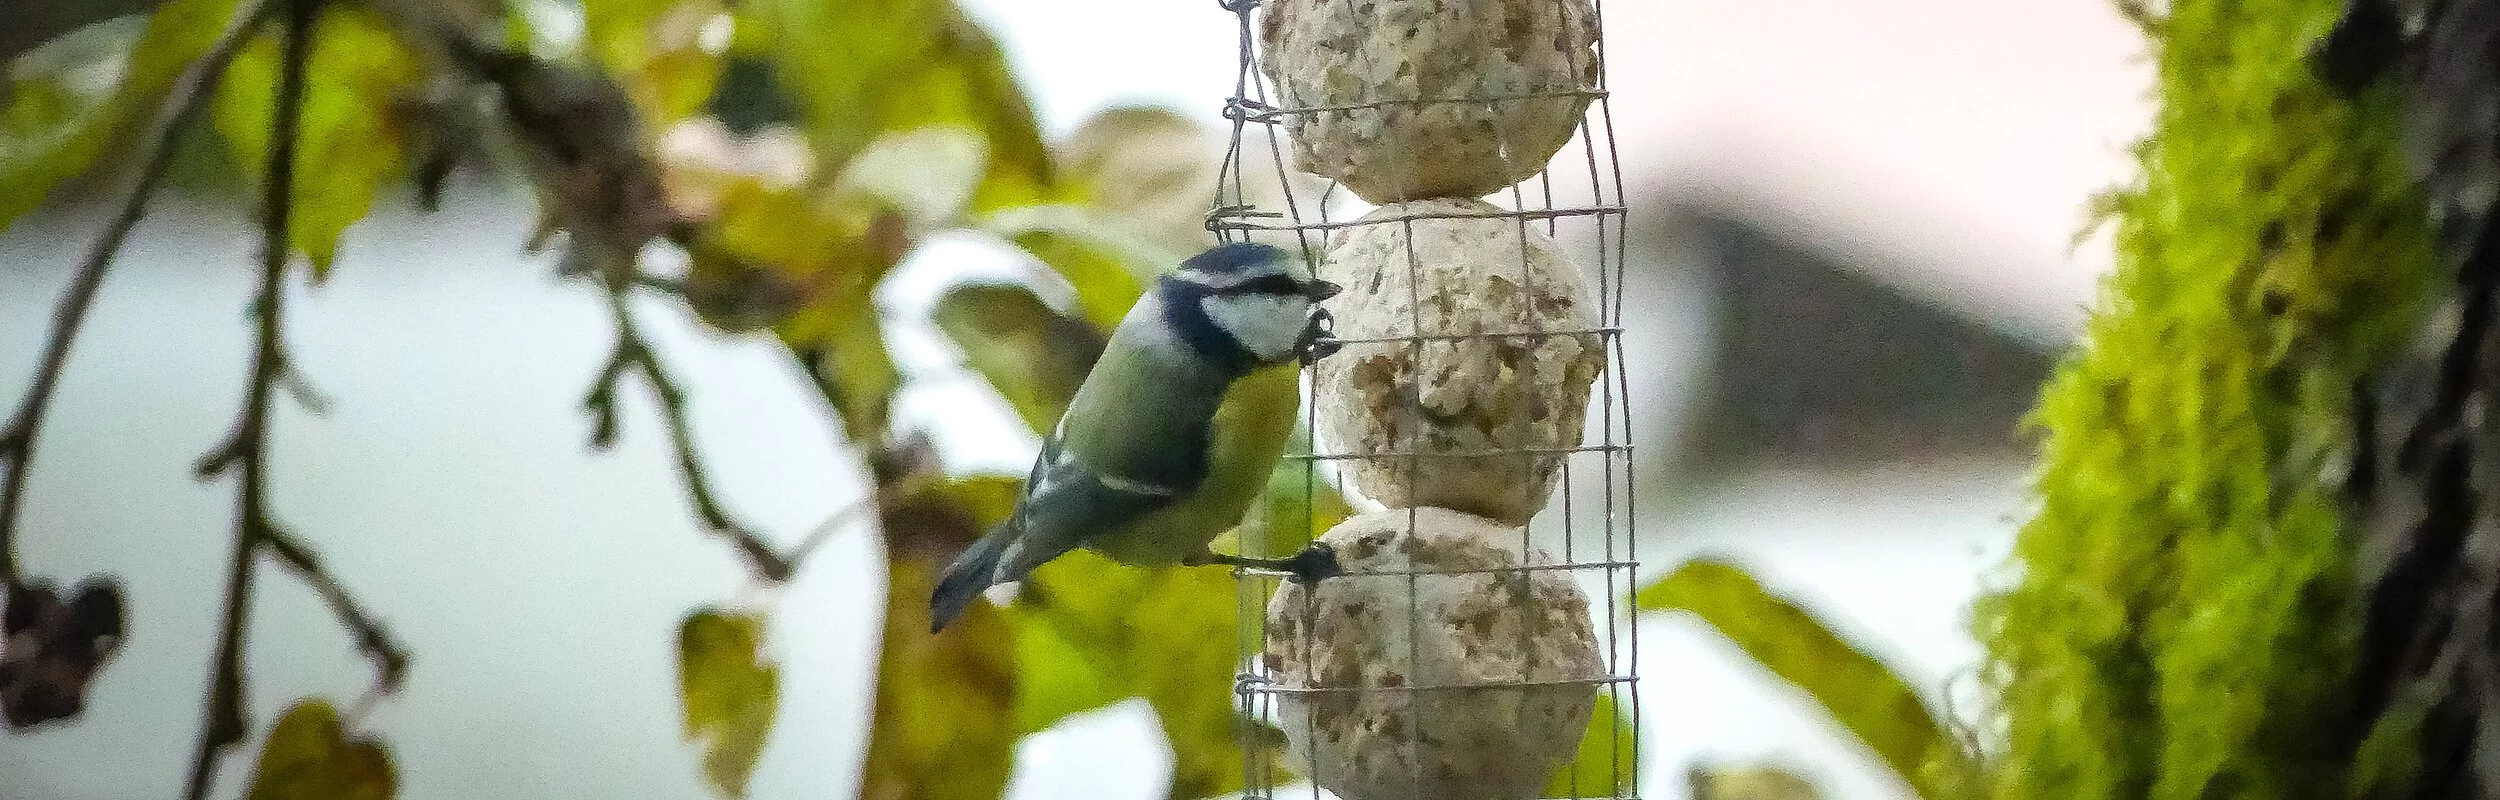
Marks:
<point>1262,298</point>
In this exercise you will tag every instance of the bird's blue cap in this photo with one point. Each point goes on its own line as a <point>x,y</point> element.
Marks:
<point>1235,258</point>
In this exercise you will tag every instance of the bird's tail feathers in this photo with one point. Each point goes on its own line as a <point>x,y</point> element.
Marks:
<point>972,573</point>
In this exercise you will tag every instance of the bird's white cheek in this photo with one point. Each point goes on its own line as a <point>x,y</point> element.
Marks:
<point>1269,327</point>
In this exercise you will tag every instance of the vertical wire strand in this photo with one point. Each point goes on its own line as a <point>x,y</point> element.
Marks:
<point>1231,221</point>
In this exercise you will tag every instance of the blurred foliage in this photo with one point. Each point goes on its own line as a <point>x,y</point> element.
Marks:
<point>1865,697</point>
<point>947,706</point>
<point>656,48</point>
<point>730,690</point>
<point>347,147</point>
<point>863,68</point>
<point>1160,634</point>
<point>308,757</point>
<point>53,129</point>
<point>2184,618</point>
<point>1034,356</point>
<point>805,149</point>
<point>1602,767</point>
<point>1107,280</point>
<point>1749,783</point>
<point>1297,507</point>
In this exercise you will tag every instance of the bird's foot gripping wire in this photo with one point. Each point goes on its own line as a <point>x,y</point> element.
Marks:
<point>1315,563</point>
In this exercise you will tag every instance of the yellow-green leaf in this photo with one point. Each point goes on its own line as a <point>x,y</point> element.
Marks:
<point>1165,635</point>
<point>1029,352</point>
<point>1296,508</point>
<point>859,68</point>
<point>944,724</point>
<point>308,757</point>
<point>658,50</point>
<point>731,693</point>
<point>49,133</point>
<point>928,174</point>
<point>1058,678</point>
<point>1107,272</point>
<point>1863,695</point>
<point>1603,765</point>
<point>348,146</point>
<point>847,356</point>
<point>1155,171</point>
<point>1750,783</point>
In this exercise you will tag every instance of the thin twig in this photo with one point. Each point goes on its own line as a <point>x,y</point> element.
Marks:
<point>224,726</point>
<point>389,659</point>
<point>888,499</point>
<point>634,354</point>
<point>17,438</point>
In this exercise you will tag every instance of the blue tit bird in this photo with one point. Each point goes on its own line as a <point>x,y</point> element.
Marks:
<point>1173,433</point>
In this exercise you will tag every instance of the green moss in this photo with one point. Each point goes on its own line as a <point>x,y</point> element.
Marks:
<point>2184,613</point>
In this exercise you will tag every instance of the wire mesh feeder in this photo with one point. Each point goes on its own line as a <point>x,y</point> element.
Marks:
<point>1477,624</point>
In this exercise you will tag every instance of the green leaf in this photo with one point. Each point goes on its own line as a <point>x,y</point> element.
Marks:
<point>1154,171</point>
<point>1057,678</point>
<point>49,133</point>
<point>944,725</point>
<point>1160,634</point>
<point>1750,783</point>
<point>308,757</point>
<point>860,68</point>
<point>929,174</point>
<point>1863,695</point>
<point>731,692</point>
<point>1108,273</point>
<point>2389,759</point>
<point>348,146</point>
<point>1297,506</point>
<point>1603,765</point>
<point>1031,354</point>
<point>850,363</point>
<point>655,49</point>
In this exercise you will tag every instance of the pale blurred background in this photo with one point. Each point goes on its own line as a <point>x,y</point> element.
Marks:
<point>1866,204</point>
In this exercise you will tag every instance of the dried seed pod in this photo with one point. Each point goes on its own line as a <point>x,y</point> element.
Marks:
<point>1475,415</point>
<point>1474,682</point>
<point>50,650</point>
<point>1429,98</point>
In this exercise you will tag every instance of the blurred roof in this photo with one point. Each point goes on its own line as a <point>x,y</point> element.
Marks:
<point>1951,143</point>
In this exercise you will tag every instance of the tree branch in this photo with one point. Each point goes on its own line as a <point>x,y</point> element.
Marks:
<point>633,354</point>
<point>247,448</point>
<point>389,658</point>
<point>17,438</point>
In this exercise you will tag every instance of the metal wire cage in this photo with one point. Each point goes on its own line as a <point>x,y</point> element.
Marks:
<point>1585,529</point>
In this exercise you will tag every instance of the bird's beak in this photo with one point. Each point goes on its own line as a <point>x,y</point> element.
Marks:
<point>1322,290</point>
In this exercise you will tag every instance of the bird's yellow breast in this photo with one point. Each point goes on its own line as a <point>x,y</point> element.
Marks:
<point>1249,434</point>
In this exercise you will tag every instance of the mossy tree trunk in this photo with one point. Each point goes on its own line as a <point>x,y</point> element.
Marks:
<point>2185,622</point>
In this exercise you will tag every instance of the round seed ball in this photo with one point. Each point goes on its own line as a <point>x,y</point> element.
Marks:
<point>1446,421</point>
<point>1338,53</point>
<point>1422,699</point>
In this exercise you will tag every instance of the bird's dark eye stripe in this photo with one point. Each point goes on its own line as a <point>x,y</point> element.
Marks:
<point>1265,284</point>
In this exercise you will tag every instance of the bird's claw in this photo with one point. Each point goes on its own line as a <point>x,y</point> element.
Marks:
<point>1315,563</point>
<point>1321,340</point>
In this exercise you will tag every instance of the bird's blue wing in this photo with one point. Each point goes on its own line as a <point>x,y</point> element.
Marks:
<point>1064,504</point>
